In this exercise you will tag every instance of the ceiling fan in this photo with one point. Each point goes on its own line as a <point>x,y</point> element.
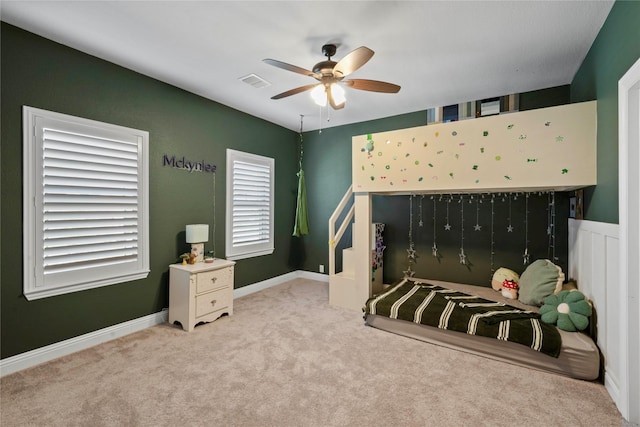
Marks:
<point>331,74</point>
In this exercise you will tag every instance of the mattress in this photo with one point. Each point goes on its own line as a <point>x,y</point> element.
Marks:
<point>579,356</point>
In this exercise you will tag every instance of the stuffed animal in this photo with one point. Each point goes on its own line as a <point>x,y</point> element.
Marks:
<point>501,275</point>
<point>567,309</point>
<point>539,280</point>
<point>510,289</point>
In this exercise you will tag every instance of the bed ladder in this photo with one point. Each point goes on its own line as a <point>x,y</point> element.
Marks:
<point>361,269</point>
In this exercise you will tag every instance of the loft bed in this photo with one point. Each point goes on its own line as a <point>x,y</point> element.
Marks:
<point>550,149</point>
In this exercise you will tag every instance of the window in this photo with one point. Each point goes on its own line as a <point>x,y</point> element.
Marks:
<point>249,222</point>
<point>85,204</point>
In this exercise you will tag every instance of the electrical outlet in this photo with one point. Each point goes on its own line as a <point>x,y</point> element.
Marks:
<point>321,268</point>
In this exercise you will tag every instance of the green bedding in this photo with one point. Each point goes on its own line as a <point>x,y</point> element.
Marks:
<point>443,308</point>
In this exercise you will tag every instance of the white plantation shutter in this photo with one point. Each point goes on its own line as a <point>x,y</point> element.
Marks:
<point>86,211</point>
<point>249,230</point>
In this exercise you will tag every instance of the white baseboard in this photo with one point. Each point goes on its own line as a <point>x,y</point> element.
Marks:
<point>249,289</point>
<point>45,354</point>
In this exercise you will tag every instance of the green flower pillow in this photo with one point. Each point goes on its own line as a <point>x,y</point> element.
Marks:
<point>568,310</point>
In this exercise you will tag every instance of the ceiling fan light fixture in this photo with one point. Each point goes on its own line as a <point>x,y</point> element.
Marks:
<point>337,93</point>
<point>319,95</point>
<point>331,74</point>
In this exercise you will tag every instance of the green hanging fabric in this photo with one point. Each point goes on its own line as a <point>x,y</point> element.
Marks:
<point>301,226</point>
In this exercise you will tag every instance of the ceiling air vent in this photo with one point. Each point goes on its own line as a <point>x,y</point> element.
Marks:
<point>255,81</point>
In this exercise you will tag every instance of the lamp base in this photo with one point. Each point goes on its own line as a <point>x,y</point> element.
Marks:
<point>197,249</point>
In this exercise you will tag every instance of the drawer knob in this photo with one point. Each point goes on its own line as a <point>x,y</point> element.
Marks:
<point>213,303</point>
<point>213,279</point>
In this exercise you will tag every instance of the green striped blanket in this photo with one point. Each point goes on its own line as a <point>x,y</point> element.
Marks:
<point>443,308</point>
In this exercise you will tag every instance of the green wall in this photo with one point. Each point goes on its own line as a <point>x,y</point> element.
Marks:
<point>43,74</point>
<point>614,51</point>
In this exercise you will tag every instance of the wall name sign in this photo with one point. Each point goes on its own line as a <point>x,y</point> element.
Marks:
<point>188,165</point>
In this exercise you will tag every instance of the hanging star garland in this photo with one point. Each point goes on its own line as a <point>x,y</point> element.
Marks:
<point>409,272</point>
<point>551,230</point>
<point>411,252</point>
<point>477,227</point>
<point>463,257</point>
<point>509,227</point>
<point>447,226</point>
<point>434,248</point>
<point>525,256</point>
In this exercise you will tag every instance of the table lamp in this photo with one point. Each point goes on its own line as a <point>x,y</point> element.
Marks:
<point>197,234</point>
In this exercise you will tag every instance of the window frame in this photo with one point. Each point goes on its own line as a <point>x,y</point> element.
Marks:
<point>36,284</point>
<point>235,252</point>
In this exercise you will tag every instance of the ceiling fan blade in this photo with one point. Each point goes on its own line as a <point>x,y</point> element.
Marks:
<point>371,85</point>
<point>352,61</point>
<point>290,67</point>
<point>294,91</point>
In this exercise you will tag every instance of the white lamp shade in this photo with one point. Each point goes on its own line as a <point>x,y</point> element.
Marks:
<point>197,233</point>
<point>319,95</point>
<point>337,93</point>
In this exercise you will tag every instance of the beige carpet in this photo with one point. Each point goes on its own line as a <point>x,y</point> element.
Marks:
<point>287,358</point>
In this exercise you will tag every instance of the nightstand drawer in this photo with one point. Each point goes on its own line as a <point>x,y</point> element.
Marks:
<point>209,280</point>
<point>212,301</point>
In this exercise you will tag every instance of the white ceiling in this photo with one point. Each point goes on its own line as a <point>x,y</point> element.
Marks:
<point>440,52</point>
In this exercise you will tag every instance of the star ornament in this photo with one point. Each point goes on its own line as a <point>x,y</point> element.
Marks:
<point>477,227</point>
<point>510,229</point>
<point>434,250</point>
<point>447,227</point>
<point>463,257</point>
<point>411,253</point>
<point>408,272</point>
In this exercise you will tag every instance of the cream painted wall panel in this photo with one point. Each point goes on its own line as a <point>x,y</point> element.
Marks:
<point>548,148</point>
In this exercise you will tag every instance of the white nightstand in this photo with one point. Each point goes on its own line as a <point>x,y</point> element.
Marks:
<point>200,292</point>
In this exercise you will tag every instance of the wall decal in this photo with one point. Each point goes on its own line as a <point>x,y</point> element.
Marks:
<point>188,165</point>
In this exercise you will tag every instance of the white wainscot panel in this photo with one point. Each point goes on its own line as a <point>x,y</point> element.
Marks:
<point>594,263</point>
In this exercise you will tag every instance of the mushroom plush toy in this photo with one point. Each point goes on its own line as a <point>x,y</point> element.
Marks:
<point>510,289</point>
